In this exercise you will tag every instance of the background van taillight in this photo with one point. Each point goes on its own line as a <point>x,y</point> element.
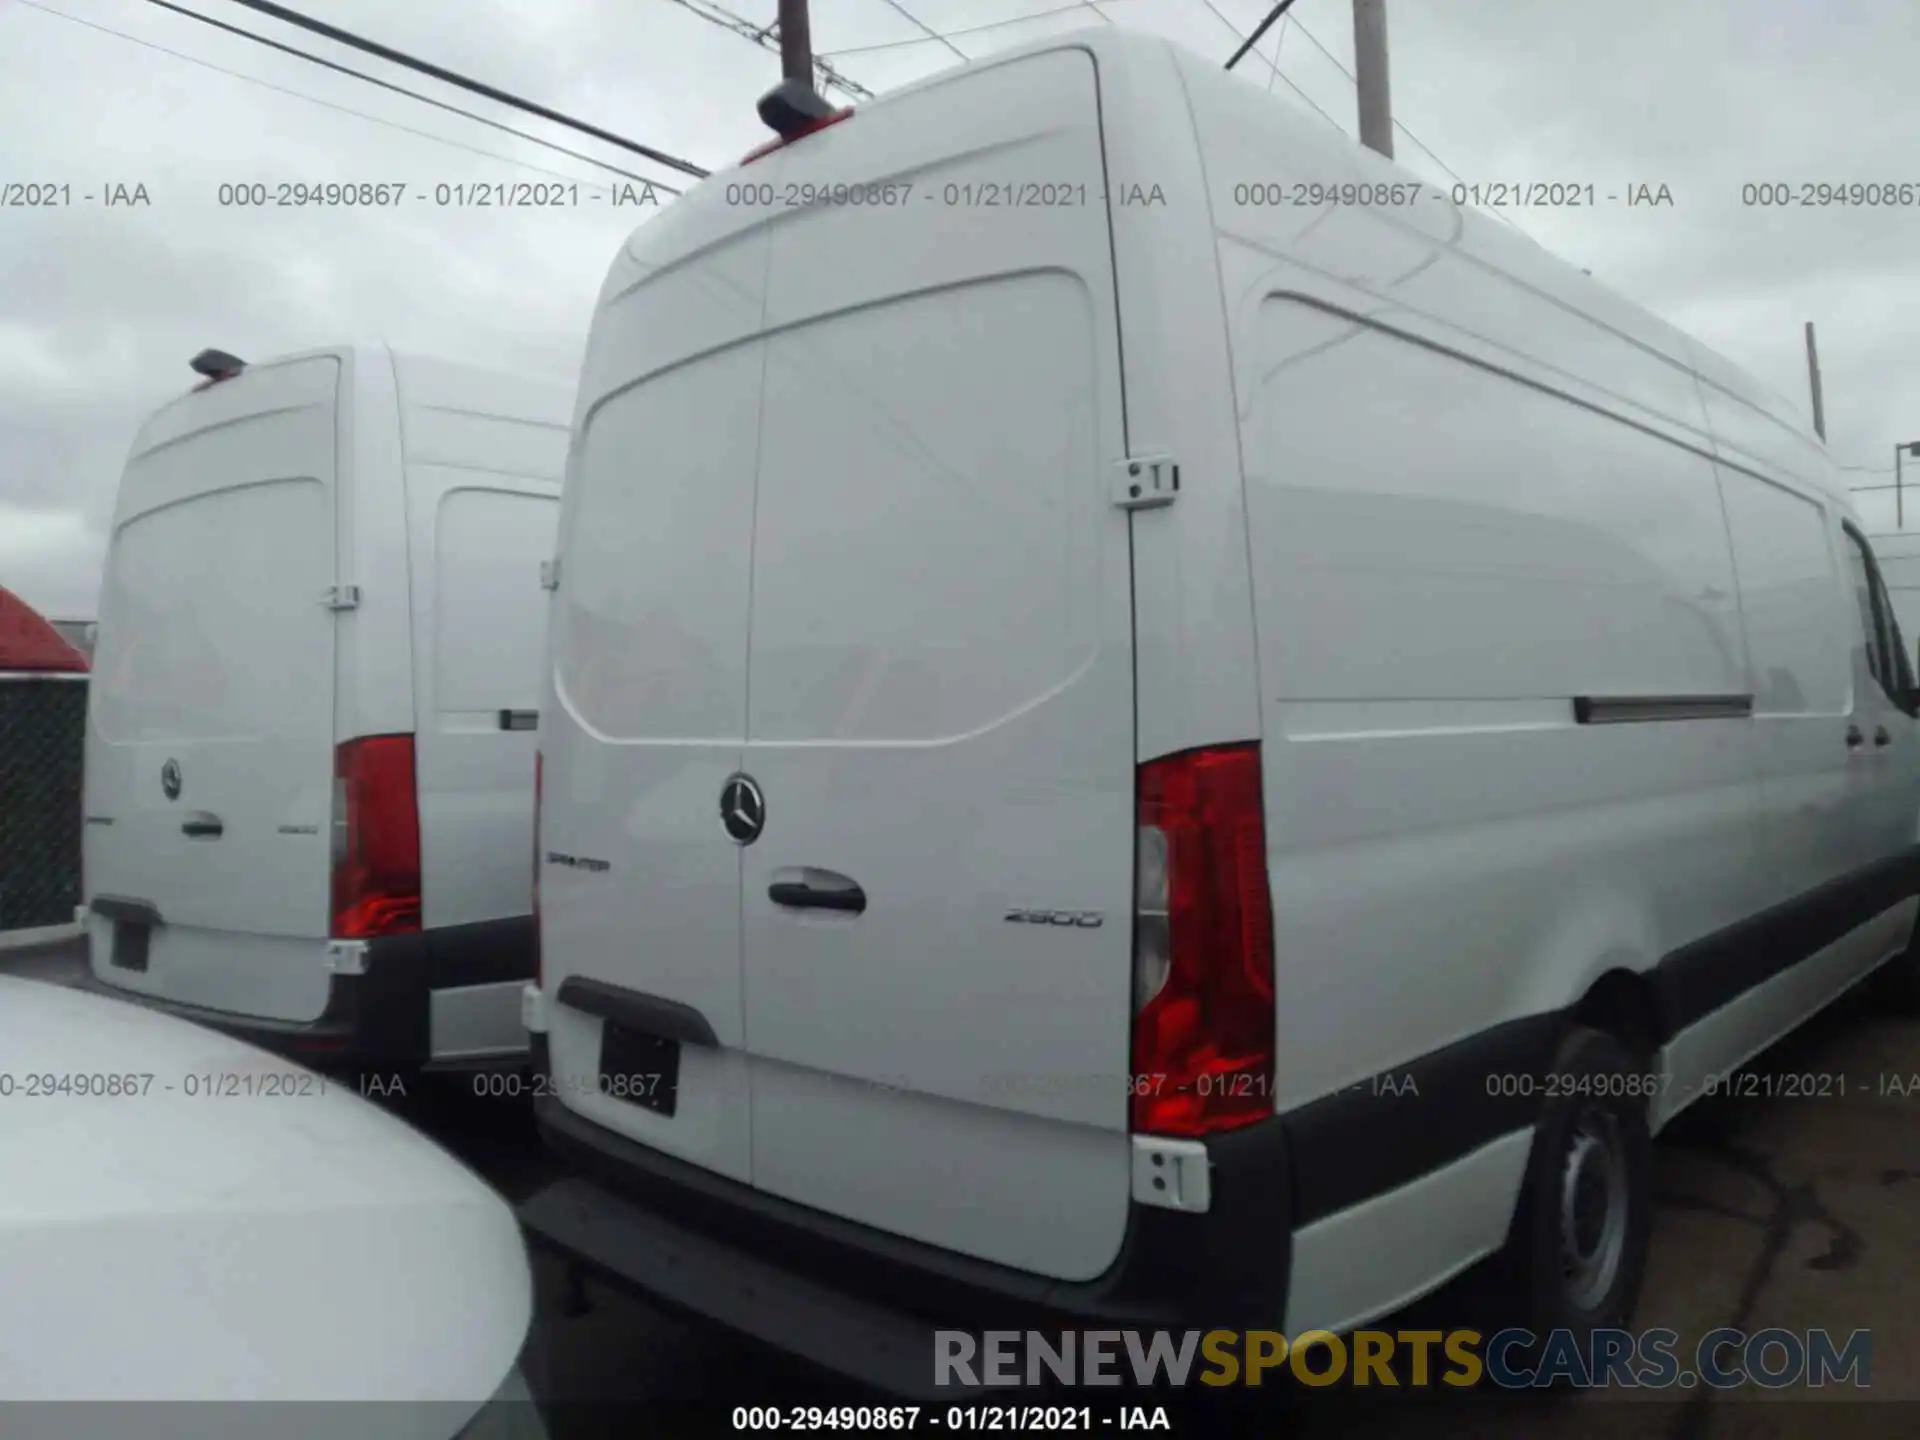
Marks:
<point>376,838</point>
<point>537,766</point>
<point>1203,1029</point>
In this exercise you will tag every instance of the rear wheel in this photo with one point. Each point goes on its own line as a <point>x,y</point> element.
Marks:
<point>1578,1249</point>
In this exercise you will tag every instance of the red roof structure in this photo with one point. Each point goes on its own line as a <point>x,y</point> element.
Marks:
<point>28,641</point>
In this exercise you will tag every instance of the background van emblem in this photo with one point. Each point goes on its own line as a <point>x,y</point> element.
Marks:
<point>743,810</point>
<point>170,779</point>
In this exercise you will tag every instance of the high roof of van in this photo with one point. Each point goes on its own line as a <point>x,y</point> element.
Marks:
<point>1151,64</point>
<point>424,378</point>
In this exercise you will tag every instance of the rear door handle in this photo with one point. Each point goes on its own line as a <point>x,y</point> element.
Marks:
<point>1854,738</point>
<point>1881,737</point>
<point>203,827</point>
<point>805,888</point>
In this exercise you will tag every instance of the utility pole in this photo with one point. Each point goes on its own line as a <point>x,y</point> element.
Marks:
<point>1905,450</point>
<point>1370,75</point>
<point>1813,378</point>
<point>796,42</point>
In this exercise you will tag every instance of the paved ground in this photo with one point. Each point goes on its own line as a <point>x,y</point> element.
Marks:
<point>1775,1208</point>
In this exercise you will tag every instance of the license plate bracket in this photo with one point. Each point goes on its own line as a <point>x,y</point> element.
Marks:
<point>640,1068</point>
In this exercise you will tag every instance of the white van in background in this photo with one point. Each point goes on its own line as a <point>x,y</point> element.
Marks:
<point>1043,833</point>
<point>310,752</point>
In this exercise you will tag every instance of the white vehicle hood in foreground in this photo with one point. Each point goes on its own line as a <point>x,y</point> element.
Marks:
<point>171,1245</point>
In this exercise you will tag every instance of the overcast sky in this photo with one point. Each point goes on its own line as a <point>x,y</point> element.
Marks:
<point>100,308</point>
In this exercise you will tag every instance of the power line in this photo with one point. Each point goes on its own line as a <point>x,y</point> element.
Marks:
<point>359,114</point>
<point>762,35</point>
<point>963,31</point>
<point>334,65</point>
<point>931,32</point>
<point>1273,65</point>
<point>397,57</point>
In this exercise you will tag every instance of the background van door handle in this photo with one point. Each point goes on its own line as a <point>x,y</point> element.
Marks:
<point>1854,738</point>
<point>203,827</point>
<point>805,888</point>
<point>1881,737</point>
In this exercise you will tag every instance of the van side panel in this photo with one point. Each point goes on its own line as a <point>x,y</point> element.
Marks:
<point>1435,796</point>
<point>1445,558</point>
<point>1481,488</point>
<point>1794,605</point>
<point>484,458</point>
<point>1468,503</point>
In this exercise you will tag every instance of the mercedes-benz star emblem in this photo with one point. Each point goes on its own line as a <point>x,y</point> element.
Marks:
<point>170,779</point>
<point>743,810</point>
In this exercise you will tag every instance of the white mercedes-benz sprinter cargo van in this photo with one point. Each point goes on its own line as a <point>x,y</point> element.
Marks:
<point>1175,730</point>
<point>310,752</point>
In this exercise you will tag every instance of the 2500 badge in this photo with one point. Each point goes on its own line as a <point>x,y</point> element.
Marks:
<point>1074,919</point>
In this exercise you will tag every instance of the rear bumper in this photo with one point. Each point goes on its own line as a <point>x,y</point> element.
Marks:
<point>381,1019</point>
<point>866,1303</point>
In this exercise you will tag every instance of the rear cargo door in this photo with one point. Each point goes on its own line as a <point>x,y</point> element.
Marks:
<point>645,711</point>
<point>937,913</point>
<point>210,744</point>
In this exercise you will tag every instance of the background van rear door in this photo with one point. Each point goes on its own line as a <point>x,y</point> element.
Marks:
<point>210,737</point>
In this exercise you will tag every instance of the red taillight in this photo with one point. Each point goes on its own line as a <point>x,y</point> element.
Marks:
<point>800,133</point>
<point>1203,1029</point>
<point>536,867</point>
<point>376,838</point>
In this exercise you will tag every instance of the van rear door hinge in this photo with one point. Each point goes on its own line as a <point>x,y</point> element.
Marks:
<point>550,574</point>
<point>1146,482</point>
<point>341,597</point>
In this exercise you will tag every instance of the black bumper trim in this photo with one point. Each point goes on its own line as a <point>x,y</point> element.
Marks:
<point>119,907</point>
<point>629,1207</point>
<point>650,1013</point>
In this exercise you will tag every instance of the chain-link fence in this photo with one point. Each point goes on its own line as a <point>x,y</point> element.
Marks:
<point>43,723</point>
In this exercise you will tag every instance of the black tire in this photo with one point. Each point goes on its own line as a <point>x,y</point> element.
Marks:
<point>1547,1290</point>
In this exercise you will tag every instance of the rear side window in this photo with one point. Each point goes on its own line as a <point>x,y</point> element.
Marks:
<point>211,621</point>
<point>1784,559</point>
